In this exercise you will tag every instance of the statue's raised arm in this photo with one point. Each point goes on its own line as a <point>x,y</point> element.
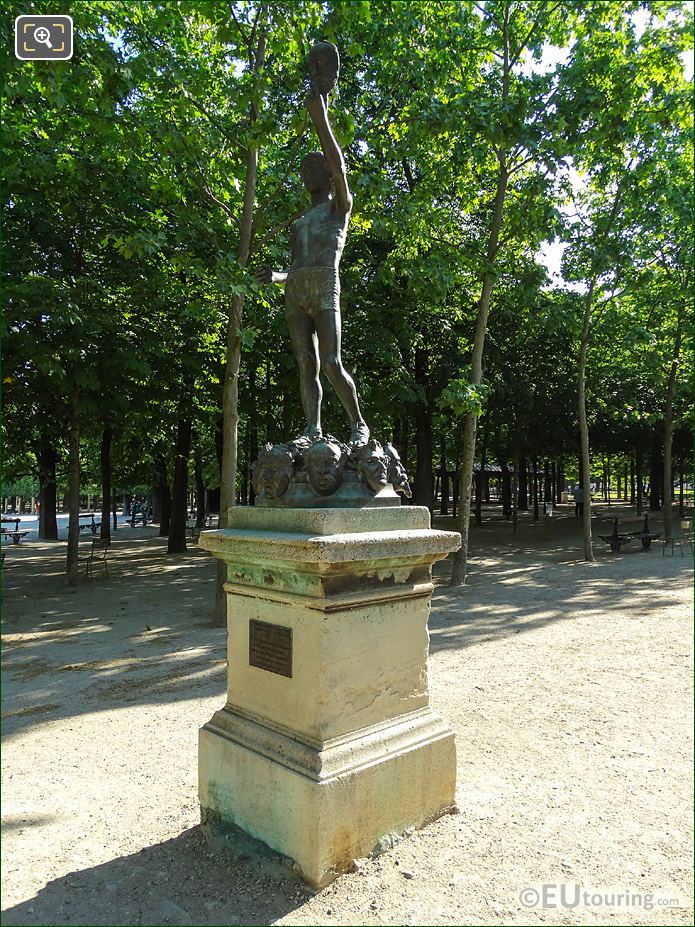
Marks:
<point>318,110</point>
<point>323,64</point>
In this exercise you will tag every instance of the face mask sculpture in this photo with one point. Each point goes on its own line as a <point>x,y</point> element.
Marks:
<point>373,465</point>
<point>323,65</point>
<point>324,463</point>
<point>397,476</point>
<point>272,471</point>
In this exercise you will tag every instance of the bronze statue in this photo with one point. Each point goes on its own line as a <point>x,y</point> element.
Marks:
<point>312,284</point>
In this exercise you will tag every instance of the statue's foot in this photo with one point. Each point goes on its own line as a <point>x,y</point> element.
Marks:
<point>359,435</point>
<point>312,432</point>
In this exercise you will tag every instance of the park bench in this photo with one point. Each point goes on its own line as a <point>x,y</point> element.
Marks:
<point>92,525</point>
<point>137,513</point>
<point>617,539</point>
<point>645,535</point>
<point>16,535</point>
<point>97,555</point>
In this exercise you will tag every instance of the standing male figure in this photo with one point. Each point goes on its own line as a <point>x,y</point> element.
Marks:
<point>312,284</point>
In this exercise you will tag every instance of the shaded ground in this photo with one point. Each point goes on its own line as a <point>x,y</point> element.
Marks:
<point>568,686</point>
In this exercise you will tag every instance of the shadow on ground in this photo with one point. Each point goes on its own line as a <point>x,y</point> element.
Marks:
<point>189,880</point>
<point>523,582</point>
<point>110,642</point>
<point>118,641</point>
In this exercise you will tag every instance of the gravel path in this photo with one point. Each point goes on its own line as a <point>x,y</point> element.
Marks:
<point>568,685</point>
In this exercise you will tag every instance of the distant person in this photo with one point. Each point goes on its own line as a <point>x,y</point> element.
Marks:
<point>578,501</point>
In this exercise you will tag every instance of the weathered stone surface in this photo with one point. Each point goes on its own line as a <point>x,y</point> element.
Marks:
<point>322,763</point>
<point>313,521</point>
<point>328,804</point>
<point>235,545</point>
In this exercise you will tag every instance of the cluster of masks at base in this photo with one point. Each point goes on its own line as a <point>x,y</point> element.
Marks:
<point>325,461</point>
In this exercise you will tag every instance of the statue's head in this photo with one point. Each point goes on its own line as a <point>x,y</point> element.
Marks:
<point>315,174</point>
<point>373,465</point>
<point>323,65</point>
<point>324,462</point>
<point>397,476</point>
<point>272,471</point>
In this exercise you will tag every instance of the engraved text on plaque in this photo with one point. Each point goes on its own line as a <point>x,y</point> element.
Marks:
<point>270,647</point>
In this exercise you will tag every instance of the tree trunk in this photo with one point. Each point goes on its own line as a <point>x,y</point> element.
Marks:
<point>162,494</point>
<point>199,487</point>
<point>506,490</point>
<point>515,490</point>
<point>252,441</point>
<point>640,481</point>
<point>480,487</point>
<point>458,572</point>
<point>680,488</point>
<point>605,479</point>
<point>632,479</point>
<point>668,427</point>
<point>286,416</point>
<point>585,472</point>
<point>179,489</point>
<point>443,488</point>
<point>230,389</point>
<point>536,513</point>
<point>522,502</point>
<point>243,441</point>
<point>478,483</point>
<point>655,477</point>
<point>560,480</point>
<point>72,565</point>
<point>114,500</point>
<point>404,449</point>
<point>105,461</point>
<point>460,559</point>
<point>423,485</point>
<point>47,458</point>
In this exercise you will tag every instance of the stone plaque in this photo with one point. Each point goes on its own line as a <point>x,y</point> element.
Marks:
<point>270,647</point>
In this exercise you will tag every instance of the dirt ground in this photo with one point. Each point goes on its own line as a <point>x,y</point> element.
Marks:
<point>568,685</point>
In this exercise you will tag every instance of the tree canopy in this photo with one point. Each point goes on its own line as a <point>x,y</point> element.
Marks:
<point>146,177</point>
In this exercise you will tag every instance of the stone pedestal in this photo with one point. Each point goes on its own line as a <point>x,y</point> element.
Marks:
<point>327,744</point>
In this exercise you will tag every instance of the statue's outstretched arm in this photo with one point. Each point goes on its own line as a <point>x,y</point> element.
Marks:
<point>267,275</point>
<point>317,106</point>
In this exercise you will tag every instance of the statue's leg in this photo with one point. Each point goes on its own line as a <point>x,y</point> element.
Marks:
<point>305,347</point>
<point>327,321</point>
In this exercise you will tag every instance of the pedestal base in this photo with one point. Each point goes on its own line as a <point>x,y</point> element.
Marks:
<point>326,805</point>
<point>327,747</point>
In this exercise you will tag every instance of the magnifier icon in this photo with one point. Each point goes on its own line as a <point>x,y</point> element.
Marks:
<point>42,34</point>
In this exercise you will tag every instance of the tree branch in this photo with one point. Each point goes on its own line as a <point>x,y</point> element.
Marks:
<point>530,32</point>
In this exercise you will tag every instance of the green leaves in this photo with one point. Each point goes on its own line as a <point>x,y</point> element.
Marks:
<point>462,397</point>
<point>125,173</point>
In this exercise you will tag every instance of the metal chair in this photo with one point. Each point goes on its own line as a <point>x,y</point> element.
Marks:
<point>684,535</point>
<point>97,555</point>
